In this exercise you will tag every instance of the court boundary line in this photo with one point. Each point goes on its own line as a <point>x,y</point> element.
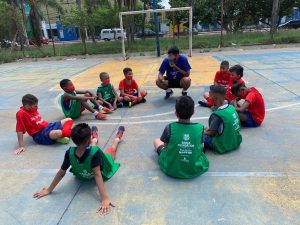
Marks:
<point>174,119</point>
<point>206,174</point>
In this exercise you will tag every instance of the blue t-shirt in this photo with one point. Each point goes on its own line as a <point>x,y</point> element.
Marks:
<point>172,74</point>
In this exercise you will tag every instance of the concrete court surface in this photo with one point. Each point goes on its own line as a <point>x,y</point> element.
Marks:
<point>257,184</point>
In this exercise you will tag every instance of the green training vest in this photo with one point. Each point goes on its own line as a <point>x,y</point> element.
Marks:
<point>106,92</point>
<point>231,138</point>
<point>183,157</point>
<point>84,170</point>
<point>74,111</point>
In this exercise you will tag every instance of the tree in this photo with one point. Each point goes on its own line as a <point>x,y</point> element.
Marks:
<point>178,17</point>
<point>7,26</point>
<point>238,13</point>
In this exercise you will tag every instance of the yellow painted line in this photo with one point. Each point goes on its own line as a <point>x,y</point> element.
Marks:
<point>144,71</point>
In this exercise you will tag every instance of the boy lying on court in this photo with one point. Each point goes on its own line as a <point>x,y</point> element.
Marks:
<point>73,105</point>
<point>223,134</point>
<point>252,111</point>
<point>106,93</point>
<point>222,78</point>
<point>130,90</point>
<point>180,147</point>
<point>42,132</point>
<point>87,161</point>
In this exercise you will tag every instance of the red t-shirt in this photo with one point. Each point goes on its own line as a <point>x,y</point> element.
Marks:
<point>222,79</point>
<point>257,105</point>
<point>229,96</point>
<point>29,122</point>
<point>130,89</point>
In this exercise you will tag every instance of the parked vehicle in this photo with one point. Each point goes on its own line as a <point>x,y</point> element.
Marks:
<point>292,24</point>
<point>8,44</point>
<point>186,31</point>
<point>148,33</point>
<point>44,41</point>
<point>111,34</point>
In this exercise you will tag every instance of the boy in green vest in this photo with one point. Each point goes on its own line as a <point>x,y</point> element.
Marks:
<point>106,93</point>
<point>180,147</point>
<point>87,161</point>
<point>73,105</point>
<point>223,134</point>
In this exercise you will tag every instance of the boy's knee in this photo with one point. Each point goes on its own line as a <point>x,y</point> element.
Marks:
<point>206,95</point>
<point>185,82</point>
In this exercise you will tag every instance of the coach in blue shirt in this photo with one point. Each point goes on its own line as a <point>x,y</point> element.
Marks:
<point>177,69</point>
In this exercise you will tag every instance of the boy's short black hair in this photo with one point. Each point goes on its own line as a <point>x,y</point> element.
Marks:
<point>225,63</point>
<point>185,107</point>
<point>29,99</point>
<point>126,70</point>
<point>218,89</point>
<point>102,74</point>
<point>81,133</point>
<point>238,69</point>
<point>236,87</point>
<point>173,50</point>
<point>64,83</point>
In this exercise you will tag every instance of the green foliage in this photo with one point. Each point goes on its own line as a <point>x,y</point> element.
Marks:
<point>240,13</point>
<point>7,27</point>
<point>203,42</point>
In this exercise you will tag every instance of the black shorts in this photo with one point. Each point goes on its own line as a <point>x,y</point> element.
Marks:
<point>173,83</point>
<point>160,149</point>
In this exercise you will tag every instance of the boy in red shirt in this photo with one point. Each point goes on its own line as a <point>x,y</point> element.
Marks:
<point>252,111</point>
<point>42,132</point>
<point>129,89</point>
<point>237,73</point>
<point>222,78</point>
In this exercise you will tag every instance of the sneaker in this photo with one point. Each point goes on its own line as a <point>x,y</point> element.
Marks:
<point>184,93</point>
<point>101,116</point>
<point>105,110</point>
<point>169,94</point>
<point>64,140</point>
<point>121,130</point>
<point>120,105</point>
<point>202,103</point>
<point>143,100</point>
<point>94,132</point>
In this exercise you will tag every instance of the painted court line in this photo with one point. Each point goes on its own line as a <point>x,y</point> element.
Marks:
<point>170,120</point>
<point>207,174</point>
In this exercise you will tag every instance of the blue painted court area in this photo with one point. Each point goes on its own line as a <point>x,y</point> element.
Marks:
<point>257,184</point>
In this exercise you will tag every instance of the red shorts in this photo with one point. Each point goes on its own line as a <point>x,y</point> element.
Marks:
<point>110,151</point>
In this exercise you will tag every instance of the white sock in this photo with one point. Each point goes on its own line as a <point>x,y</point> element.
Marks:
<point>100,107</point>
<point>184,91</point>
<point>169,90</point>
<point>95,113</point>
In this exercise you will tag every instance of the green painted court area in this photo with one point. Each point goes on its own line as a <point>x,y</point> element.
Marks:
<point>257,184</point>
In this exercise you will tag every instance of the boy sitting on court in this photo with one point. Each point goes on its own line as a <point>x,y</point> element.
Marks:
<point>223,134</point>
<point>107,94</point>
<point>252,111</point>
<point>180,147</point>
<point>222,78</point>
<point>237,73</point>
<point>130,90</point>
<point>73,105</point>
<point>42,132</point>
<point>87,161</point>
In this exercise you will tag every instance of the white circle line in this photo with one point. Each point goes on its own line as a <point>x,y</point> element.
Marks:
<point>172,120</point>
